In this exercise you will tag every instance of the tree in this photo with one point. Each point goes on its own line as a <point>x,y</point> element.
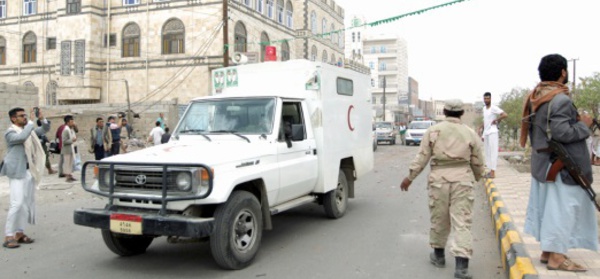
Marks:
<point>587,95</point>
<point>512,104</point>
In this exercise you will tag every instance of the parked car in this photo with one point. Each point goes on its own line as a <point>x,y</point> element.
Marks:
<point>386,132</point>
<point>416,130</point>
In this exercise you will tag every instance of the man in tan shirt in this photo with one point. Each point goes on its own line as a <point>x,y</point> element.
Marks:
<point>454,152</point>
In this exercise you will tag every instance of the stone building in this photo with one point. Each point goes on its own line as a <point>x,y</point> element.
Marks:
<point>147,51</point>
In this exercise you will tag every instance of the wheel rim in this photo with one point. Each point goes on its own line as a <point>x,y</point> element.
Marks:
<point>340,196</point>
<point>244,231</point>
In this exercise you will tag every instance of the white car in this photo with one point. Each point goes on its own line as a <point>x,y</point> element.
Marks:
<point>416,130</point>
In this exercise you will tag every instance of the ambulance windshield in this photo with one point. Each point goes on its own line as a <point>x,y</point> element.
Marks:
<point>236,115</point>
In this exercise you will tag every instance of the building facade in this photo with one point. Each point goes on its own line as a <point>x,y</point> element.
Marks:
<point>147,51</point>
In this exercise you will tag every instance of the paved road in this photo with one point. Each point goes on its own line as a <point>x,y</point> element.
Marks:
<point>383,235</point>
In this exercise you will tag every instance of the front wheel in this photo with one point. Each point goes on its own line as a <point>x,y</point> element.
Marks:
<point>335,201</point>
<point>126,245</point>
<point>238,231</point>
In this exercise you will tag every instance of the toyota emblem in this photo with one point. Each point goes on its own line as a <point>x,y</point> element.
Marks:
<point>140,179</point>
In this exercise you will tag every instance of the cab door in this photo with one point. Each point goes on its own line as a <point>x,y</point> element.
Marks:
<point>297,157</point>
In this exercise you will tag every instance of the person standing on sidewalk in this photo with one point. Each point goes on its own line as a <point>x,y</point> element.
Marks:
<point>68,149</point>
<point>24,166</point>
<point>492,115</point>
<point>98,140</point>
<point>456,164</point>
<point>560,214</point>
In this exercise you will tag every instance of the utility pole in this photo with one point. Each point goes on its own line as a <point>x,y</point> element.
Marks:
<point>384,98</point>
<point>574,70</point>
<point>225,33</point>
<point>129,115</point>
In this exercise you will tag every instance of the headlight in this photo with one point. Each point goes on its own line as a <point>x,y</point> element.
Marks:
<point>106,178</point>
<point>183,180</point>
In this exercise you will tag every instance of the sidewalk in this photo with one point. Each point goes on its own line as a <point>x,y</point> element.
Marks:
<point>513,188</point>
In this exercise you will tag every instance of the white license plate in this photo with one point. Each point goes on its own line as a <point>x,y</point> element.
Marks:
<point>126,224</point>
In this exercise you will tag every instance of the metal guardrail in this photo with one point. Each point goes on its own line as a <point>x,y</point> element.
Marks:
<point>164,199</point>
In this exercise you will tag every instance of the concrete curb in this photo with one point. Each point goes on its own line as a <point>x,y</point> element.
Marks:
<point>515,260</point>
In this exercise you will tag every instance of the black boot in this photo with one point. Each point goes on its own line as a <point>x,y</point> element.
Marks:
<point>462,269</point>
<point>437,257</point>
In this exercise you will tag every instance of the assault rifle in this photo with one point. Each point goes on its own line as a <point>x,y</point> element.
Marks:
<point>565,160</point>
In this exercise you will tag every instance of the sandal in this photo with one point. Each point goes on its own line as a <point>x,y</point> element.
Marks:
<point>11,243</point>
<point>568,265</point>
<point>24,239</point>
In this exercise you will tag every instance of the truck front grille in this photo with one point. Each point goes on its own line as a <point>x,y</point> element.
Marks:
<point>146,180</point>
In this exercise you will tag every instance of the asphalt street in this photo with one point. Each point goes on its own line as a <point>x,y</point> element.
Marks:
<point>384,234</point>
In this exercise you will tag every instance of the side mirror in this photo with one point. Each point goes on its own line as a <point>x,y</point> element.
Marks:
<point>297,132</point>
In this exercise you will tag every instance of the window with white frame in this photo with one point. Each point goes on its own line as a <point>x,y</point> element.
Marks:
<point>313,53</point>
<point>324,27</point>
<point>313,22</point>
<point>325,57</point>
<point>353,36</point>
<point>259,6</point>
<point>270,8</point>
<point>383,49</point>
<point>2,8</point>
<point>382,66</point>
<point>289,14</point>
<point>130,2</point>
<point>247,3</point>
<point>29,7</point>
<point>280,11</point>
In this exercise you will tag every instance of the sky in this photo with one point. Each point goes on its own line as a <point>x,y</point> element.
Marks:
<point>476,46</point>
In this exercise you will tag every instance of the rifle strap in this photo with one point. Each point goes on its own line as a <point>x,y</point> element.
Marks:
<point>554,170</point>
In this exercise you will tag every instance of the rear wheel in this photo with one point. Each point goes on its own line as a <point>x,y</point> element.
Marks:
<point>126,245</point>
<point>335,201</point>
<point>238,231</point>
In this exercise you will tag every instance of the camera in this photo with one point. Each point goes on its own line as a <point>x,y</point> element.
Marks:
<point>36,111</point>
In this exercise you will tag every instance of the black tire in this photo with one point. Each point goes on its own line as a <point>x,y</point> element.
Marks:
<point>335,201</point>
<point>238,231</point>
<point>126,245</point>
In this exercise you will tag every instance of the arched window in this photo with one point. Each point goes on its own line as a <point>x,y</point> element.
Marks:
<point>2,51</point>
<point>51,93</point>
<point>264,42</point>
<point>280,11</point>
<point>131,40</point>
<point>173,37</point>
<point>332,61</point>
<point>313,53</point>
<point>324,28</point>
<point>341,39</point>
<point>240,37</point>
<point>313,22</point>
<point>285,51</point>
<point>325,57</point>
<point>28,84</point>
<point>289,14</point>
<point>333,35</point>
<point>29,47</point>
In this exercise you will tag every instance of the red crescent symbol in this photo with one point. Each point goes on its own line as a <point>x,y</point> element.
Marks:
<point>350,123</point>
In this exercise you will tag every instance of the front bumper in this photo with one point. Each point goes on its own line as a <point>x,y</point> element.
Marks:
<point>152,224</point>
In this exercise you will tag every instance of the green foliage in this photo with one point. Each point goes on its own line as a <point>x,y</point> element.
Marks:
<point>512,104</point>
<point>587,95</point>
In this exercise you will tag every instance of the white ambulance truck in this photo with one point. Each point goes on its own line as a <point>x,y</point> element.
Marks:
<point>273,136</point>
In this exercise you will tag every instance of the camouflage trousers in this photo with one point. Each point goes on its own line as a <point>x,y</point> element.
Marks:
<point>451,208</point>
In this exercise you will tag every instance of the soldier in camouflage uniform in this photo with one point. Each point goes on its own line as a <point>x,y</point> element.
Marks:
<point>457,162</point>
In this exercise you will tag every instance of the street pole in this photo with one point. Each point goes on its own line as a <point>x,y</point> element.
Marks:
<point>225,33</point>
<point>574,70</point>
<point>384,98</point>
<point>129,116</point>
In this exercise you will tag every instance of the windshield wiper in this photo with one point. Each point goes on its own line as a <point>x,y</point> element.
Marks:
<point>196,131</point>
<point>231,132</point>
